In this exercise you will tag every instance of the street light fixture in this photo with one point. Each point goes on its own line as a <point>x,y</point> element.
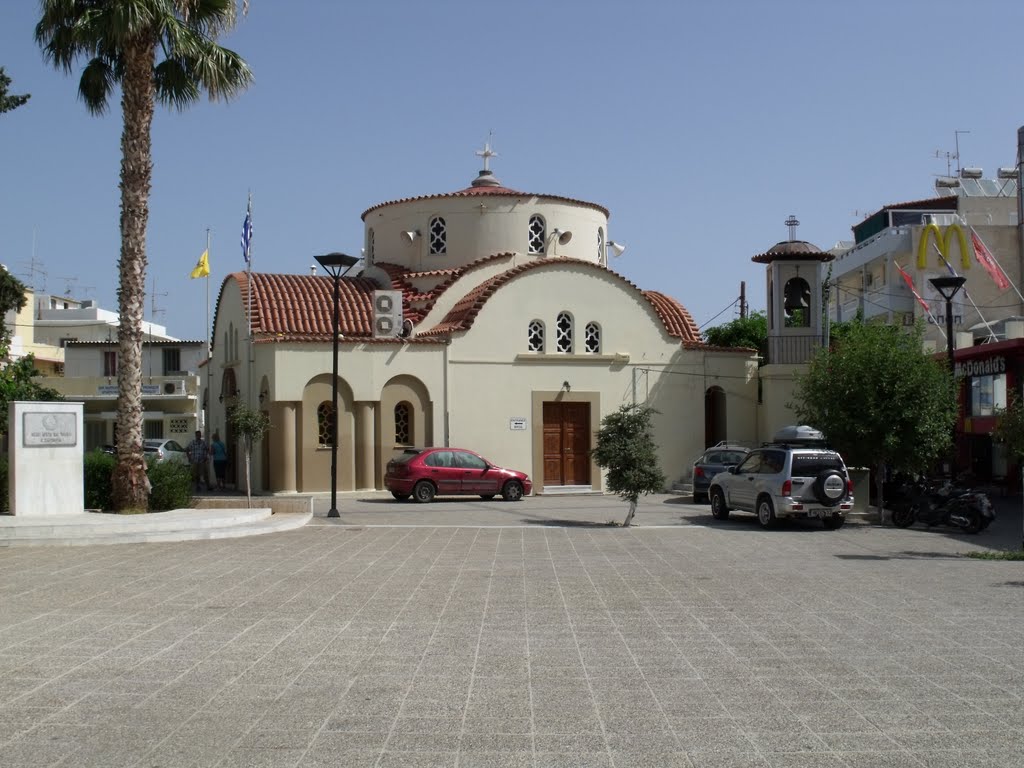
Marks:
<point>336,265</point>
<point>948,285</point>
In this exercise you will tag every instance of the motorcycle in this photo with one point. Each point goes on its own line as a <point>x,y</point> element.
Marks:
<point>945,504</point>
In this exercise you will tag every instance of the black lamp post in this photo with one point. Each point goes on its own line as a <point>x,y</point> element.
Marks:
<point>336,264</point>
<point>948,285</point>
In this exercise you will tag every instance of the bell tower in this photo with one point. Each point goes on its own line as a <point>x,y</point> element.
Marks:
<point>795,311</point>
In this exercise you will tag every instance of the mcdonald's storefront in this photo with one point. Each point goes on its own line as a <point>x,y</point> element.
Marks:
<point>988,373</point>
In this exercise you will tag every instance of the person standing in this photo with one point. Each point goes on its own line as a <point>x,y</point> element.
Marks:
<point>220,459</point>
<point>198,456</point>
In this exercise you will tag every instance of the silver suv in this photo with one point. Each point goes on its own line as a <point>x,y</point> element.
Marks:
<point>795,475</point>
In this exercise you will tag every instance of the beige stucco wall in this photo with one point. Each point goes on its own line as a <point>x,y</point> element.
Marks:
<point>480,227</point>
<point>778,385</point>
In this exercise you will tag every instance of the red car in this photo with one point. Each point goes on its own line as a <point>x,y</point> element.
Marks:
<point>424,473</point>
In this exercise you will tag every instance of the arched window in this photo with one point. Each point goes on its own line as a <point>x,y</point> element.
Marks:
<point>796,297</point>
<point>535,336</point>
<point>563,332</point>
<point>403,424</point>
<point>592,339</point>
<point>325,423</point>
<point>369,246</point>
<point>438,235</point>
<point>538,234</point>
<point>601,255</point>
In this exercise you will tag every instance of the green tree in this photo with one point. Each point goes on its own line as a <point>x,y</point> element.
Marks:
<point>251,426</point>
<point>1010,430</point>
<point>880,399</point>
<point>7,103</point>
<point>750,332</point>
<point>625,447</point>
<point>121,40</point>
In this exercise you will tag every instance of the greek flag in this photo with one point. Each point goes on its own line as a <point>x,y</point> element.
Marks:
<point>247,232</point>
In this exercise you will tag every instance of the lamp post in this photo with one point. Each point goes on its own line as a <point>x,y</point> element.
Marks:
<point>948,285</point>
<point>336,265</point>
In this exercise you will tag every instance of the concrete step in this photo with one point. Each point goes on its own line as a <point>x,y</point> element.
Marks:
<point>175,525</point>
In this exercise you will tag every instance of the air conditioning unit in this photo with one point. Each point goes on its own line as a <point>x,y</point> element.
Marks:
<point>387,314</point>
<point>174,387</point>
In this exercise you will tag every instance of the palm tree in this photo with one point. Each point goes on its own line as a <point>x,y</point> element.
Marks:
<point>121,39</point>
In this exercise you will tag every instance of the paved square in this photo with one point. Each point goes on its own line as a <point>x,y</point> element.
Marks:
<point>429,644</point>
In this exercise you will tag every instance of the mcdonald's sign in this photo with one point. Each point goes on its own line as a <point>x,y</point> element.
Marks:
<point>942,242</point>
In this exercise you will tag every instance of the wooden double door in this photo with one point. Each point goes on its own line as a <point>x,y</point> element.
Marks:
<point>566,444</point>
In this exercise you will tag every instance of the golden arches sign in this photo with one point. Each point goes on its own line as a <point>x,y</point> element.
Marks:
<point>942,243</point>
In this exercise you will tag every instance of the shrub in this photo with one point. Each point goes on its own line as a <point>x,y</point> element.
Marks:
<point>171,485</point>
<point>98,468</point>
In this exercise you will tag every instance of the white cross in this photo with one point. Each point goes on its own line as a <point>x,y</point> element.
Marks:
<point>486,153</point>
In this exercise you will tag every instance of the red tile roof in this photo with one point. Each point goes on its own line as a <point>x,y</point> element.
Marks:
<point>299,307</point>
<point>675,318</point>
<point>485,191</point>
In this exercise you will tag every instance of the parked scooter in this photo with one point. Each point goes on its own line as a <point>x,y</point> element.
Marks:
<point>943,504</point>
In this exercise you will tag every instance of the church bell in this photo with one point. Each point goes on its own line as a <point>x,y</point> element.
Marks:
<point>797,296</point>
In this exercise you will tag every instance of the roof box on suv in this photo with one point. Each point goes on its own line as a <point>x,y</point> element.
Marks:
<point>799,435</point>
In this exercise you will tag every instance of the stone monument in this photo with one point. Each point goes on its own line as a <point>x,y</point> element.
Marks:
<point>45,459</point>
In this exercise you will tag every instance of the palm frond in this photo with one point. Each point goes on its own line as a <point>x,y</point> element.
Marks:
<point>96,84</point>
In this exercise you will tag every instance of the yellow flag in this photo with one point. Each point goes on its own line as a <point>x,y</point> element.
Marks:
<point>202,266</point>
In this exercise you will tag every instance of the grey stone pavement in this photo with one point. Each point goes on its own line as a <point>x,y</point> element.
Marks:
<point>468,633</point>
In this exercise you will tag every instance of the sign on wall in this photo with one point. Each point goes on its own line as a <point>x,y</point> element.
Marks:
<point>517,423</point>
<point>49,430</point>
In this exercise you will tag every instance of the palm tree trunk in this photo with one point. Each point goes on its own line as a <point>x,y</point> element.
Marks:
<point>130,483</point>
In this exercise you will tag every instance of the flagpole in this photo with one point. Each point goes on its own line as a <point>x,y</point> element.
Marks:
<point>248,281</point>
<point>991,333</point>
<point>208,346</point>
<point>996,262</point>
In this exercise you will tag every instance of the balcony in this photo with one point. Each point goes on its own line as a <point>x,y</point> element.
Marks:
<point>100,388</point>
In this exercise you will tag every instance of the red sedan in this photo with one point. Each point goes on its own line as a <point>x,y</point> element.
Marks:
<point>424,473</point>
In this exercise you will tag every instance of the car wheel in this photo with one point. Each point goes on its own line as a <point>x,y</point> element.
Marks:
<point>719,510</point>
<point>424,491</point>
<point>903,516</point>
<point>486,496</point>
<point>766,512</point>
<point>513,491</point>
<point>400,496</point>
<point>833,522</point>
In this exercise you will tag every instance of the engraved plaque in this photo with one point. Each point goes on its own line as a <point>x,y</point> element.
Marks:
<point>49,430</point>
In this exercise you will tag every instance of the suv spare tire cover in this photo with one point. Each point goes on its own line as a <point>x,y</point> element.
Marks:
<point>830,487</point>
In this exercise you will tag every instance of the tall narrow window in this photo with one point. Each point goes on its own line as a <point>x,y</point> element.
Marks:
<point>403,424</point>
<point>601,255</point>
<point>438,235</point>
<point>537,234</point>
<point>172,361</point>
<point>110,362</point>
<point>325,424</point>
<point>592,339</point>
<point>535,336</point>
<point>563,332</point>
<point>369,246</point>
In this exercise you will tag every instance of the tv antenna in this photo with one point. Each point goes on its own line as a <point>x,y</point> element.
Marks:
<point>951,157</point>
<point>69,286</point>
<point>153,294</point>
<point>35,267</point>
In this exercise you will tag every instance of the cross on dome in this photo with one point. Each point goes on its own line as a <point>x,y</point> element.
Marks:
<point>486,153</point>
<point>792,223</point>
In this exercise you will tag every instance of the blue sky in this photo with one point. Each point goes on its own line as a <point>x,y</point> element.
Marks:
<point>700,126</point>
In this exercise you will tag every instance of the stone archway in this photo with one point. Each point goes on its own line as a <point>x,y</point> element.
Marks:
<point>313,465</point>
<point>403,397</point>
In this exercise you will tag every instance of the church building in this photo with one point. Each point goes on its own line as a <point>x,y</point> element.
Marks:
<point>484,318</point>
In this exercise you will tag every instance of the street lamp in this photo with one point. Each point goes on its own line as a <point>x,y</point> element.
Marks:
<point>948,285</point>
<point>336,265</point>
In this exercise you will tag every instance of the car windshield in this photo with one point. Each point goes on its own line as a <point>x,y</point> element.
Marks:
<point>730,457</point>
<point>405,457</point>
